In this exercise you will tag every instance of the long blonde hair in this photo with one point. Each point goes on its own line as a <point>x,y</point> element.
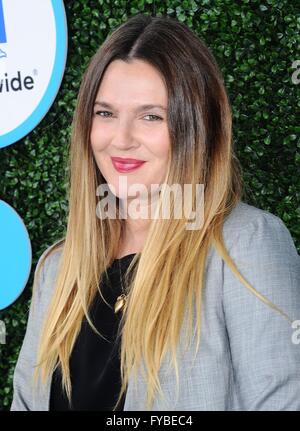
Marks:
<point>169,271</point>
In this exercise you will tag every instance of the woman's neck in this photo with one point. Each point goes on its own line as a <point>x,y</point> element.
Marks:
<point>133,238</point>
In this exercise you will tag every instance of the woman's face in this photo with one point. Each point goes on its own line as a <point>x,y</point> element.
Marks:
<point>123,128</point>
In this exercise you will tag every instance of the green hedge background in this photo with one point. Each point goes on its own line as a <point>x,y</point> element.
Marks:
<point>255,43</point>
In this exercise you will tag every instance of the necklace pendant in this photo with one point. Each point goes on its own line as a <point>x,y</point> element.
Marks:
<point>121,300</point>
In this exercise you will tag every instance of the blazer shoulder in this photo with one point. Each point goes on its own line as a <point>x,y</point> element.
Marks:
<point>47,265</point>
<point>243,216</point>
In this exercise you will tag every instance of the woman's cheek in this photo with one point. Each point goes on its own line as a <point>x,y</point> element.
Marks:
<point>97,143</point>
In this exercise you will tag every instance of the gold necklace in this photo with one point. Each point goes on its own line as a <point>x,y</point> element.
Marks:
<point>121,300</point>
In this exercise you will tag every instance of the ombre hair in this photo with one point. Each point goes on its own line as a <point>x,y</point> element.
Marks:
<point>167,276</point>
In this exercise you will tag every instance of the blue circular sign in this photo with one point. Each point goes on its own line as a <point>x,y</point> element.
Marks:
<point>32,63</point>
<point>15,255</point>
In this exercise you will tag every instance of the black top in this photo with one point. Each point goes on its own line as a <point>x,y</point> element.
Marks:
<point>95,362</point>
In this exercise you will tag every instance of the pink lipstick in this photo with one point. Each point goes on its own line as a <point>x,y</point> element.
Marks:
<point>124,165</point>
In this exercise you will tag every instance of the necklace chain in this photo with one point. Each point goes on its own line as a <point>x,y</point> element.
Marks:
<point>121,300</point>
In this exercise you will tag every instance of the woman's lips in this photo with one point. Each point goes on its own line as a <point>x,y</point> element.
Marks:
<point>126,166</point>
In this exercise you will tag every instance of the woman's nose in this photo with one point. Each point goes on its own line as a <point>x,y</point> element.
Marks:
<point>123,137</point>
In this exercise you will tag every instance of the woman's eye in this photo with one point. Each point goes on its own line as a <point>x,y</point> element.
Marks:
<point>154,117</point>
<point>102,112</point>
<point>107,114</point>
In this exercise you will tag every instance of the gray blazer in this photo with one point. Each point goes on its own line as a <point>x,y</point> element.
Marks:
<point>249,355</point>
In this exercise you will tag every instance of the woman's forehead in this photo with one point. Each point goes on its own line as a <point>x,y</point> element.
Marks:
<point>137,81</point>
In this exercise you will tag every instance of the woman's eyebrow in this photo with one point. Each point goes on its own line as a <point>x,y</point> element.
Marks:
<point>139,108</point>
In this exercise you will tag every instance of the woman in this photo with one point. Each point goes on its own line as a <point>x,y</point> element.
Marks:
<point>236,278</point>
